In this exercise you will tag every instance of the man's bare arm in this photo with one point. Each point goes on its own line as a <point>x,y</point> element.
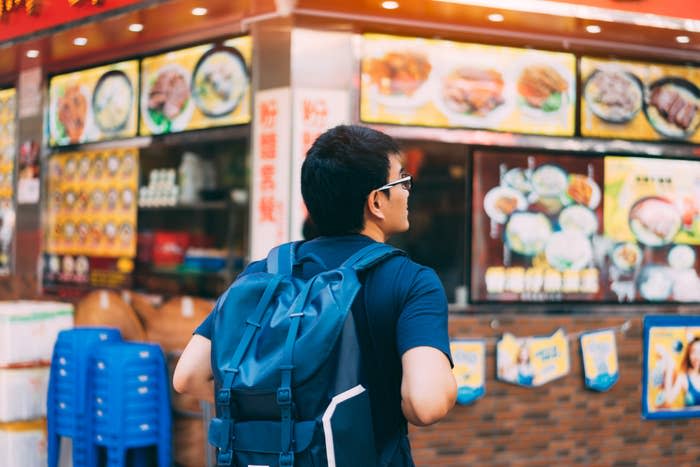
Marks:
<point>193,375</point>
<point>428,387</point>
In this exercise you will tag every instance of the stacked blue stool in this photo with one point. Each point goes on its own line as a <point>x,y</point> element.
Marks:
<point>70,393</point>
<point>131,406</point>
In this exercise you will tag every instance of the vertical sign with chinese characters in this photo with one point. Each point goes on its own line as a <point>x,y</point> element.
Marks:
<point>271,166</point>
<point>315,111</point>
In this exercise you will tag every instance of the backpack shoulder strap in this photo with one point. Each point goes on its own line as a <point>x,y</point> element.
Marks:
<point>370,256</point>
<point>281,259</point>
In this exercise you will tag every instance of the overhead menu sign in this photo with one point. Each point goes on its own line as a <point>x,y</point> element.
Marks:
<point>410,81</point>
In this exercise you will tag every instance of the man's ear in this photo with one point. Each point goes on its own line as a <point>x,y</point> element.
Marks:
<point>375,205</point>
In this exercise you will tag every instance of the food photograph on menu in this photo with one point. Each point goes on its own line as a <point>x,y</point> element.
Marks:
<point>642,101</point>
<point>652,219</point>
<point>536,218</point>
<point>561,228</point>
<point>426,82</point>
<point>198,87</point>
<point>93,105</point>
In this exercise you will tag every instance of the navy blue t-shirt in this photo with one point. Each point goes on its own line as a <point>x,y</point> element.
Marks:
<point>408,309</point>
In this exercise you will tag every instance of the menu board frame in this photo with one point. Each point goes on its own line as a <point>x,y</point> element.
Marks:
<point>388,96</point>
<point>606,293</point>
<point>95,129</point>
<point>236,110</point>
<point>602,115</point>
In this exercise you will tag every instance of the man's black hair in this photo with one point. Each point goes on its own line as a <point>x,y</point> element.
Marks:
<point>341,168</point>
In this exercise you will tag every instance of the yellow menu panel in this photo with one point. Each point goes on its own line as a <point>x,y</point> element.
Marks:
<point>425,82</point>
<point>643,101</point>
<point>198,87</point>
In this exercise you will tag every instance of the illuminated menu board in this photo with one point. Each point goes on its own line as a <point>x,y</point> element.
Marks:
<point>425,82</point>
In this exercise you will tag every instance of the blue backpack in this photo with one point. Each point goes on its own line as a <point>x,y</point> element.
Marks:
<point>287,366</point>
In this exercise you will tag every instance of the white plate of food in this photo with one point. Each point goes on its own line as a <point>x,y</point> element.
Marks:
<point>613,94</point>
<point>544,90</point>
<point>70,115</point>
<point>501,201</point>
<point>654,221</point>
<point>166,103</point>
<point>681,257</point>
<point>580,218</point>
<point>549,181</point>
<point>568,250</point>
<point>583,190</point>
<point>526,233</point>
<point>474,96</point>
<point>112,101</point>
<point>219,81</point>
<point>672,106</point>
<point>655,283</point>
<point>626,256</point>
<point>519,179</point>
<point>398,77</point>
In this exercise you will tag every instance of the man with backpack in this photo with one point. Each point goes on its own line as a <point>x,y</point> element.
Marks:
<point>320,332</point>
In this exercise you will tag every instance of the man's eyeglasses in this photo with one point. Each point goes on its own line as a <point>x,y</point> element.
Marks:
<point>406,182</point>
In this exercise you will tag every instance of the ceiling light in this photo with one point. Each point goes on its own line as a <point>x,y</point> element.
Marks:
<point>682,39</point>
<point>33,53</point>
<point>199,11</point>
<point>80,41</point>
<point>593,28</point>
<point>496,17</point>
<point>389,5</point>
<point>136,27</point>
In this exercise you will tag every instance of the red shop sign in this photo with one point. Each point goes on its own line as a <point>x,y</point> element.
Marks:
<point>21,17</point>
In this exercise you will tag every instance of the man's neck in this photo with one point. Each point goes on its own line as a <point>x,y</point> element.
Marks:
<point>373,231</point>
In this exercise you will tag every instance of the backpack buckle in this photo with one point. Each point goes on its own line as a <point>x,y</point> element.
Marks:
<point>224,458</point>
<point>223,397</point>
<point>284,396</point>
<point>286,459</point>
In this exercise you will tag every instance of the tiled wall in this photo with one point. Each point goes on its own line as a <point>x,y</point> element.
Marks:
<point>560,423</point>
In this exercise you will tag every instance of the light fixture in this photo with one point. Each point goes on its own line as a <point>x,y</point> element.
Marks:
<point>389,5</point>
<point>682,39</point>
<point>80,41</point>
<point>136,27</point>
<point>496,17</point>
<point>32,53</point>
<point>199,11</point>
<point>593,28</point>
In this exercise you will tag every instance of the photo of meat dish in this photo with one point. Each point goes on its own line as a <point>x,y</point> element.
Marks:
<point>398,73</point>
<point>654,221</point>
<point>471,90</point>
<point>542,87</point>
<point>168,96</point>
<point>72,112</point>
<point>614,96</point>
<point>672,107</point>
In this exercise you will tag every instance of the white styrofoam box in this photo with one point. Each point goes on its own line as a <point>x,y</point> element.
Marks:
<point>23,393</point>
<point>28,330</point>
<point>23,444</point>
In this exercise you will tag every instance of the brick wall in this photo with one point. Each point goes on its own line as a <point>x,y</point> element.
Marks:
<point>560,423</point>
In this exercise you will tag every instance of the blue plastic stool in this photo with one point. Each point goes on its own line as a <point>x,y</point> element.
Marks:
<point>131,401</point>
<point>68,408</point>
